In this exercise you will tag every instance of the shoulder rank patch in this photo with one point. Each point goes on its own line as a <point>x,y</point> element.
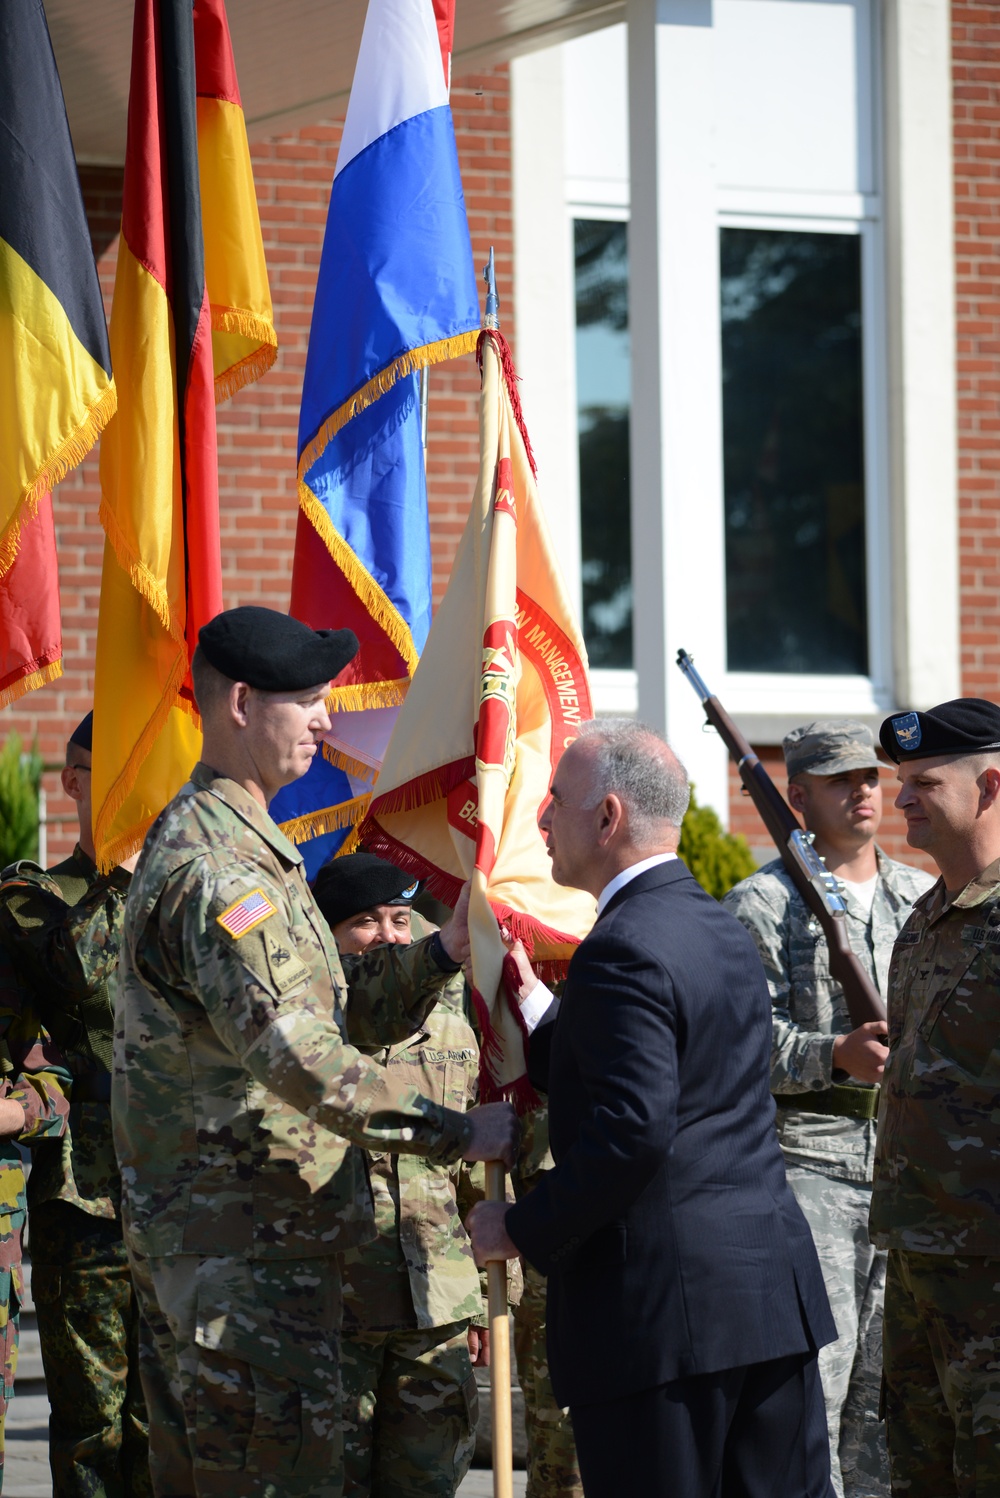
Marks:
<point>246,913</point>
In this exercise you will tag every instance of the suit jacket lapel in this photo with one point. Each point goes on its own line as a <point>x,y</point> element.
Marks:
<point>662,873</point>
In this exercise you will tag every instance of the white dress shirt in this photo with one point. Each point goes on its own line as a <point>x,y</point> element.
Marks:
<point>540,997</point>
<point>627,875</point>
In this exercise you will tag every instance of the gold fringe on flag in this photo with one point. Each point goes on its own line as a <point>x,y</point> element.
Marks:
<point>56,466</point>
<point>30,683</point>
<point>406,364</point>
<point>246,325</point>
<point>328,819</point>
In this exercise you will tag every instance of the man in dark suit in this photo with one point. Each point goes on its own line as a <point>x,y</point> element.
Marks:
<point>686,1304</point>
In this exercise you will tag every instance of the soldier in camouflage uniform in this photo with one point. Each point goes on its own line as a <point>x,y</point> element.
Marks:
<point>235,1087</point>
<point>33,1106</point>
<point>553,1469</point>
<point>410,1400</point>
<point>827,1131</point>
<point>63,930</point>
<point>936,1199</point>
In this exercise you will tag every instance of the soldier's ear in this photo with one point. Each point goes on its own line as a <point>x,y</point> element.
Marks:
<point>239,697</point>
<point>71,783</point>
<point>990,786</point>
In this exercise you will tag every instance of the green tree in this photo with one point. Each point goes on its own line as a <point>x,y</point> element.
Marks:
<point>20,784</point>
<point>717,859</point>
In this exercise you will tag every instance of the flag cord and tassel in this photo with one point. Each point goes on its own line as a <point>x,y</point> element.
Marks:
<point>501,1414</point>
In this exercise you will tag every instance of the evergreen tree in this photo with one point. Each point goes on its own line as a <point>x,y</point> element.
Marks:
<point>717,859</point>
<point>20,784</point>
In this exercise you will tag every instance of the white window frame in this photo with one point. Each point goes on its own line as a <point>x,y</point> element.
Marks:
<point>908,353</point>
<point>615,691</point>
<point>802,695</point>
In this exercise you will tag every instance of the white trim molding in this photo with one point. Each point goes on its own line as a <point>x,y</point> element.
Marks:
<point>920,293</point>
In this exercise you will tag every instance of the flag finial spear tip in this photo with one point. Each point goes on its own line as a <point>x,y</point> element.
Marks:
<point>492,318</point>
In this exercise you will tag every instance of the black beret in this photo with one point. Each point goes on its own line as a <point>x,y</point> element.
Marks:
<point>274,652</point>
<point>346,886</point>
<point>83,733</point>
<point>966,725</point>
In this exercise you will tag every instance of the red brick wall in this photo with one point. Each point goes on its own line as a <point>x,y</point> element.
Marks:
<point>976,84</point>
<point>257,429</point>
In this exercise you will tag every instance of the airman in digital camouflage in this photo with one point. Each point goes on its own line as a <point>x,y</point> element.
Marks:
<point>236,1085</point>
<point>936,1199</point>
<point>412,1295</point>
<point>63,930</point>
<point>33,1106</point>
<point>824,1071</point>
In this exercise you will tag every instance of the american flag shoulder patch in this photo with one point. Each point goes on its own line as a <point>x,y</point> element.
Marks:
<point>246,913</point>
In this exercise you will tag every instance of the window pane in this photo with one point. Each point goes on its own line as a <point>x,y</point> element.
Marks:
<point>603,396</point>
<point>793,445</point>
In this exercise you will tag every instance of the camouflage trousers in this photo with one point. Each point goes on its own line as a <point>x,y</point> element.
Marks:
<point>239,1368</point>
<point>851,1367</point>
<point>11,1296</point>
<point>88,1324</point>
<point>553,1471</point>
<point>410,1412</point>
<point>942,1375</point>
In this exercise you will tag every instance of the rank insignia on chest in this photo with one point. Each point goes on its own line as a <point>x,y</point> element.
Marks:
<point>246,913</point>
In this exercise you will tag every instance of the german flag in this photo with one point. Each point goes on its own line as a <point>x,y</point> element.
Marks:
<point>56,390</point>
<point>191,323</point>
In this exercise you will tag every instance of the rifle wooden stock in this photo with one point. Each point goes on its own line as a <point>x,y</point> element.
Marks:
<point>806,870</point>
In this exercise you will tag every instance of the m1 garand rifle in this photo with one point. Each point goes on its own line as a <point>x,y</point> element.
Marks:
<point>813,880</point>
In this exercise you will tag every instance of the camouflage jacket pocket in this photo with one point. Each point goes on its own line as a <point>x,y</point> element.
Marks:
<point>962,1023</point>
<point>283,1344</point>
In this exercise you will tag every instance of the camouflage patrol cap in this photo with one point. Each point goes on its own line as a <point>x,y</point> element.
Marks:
<point>965,725</point>
<point>830,746</point>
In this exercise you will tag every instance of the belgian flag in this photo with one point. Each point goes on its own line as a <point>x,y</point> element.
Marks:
<point>56,389</point>
<point>191,322</point>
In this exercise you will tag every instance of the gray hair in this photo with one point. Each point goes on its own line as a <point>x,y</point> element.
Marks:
<point>629,762</point>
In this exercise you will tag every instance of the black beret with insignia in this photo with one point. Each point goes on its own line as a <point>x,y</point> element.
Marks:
<point>966,725</point>
<point>274,652</point>
<point>358,881</point>
<point>83,733</point>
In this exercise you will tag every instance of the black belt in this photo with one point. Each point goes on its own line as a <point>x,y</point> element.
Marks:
<point>92,1087</point>
<point>841,1100</point>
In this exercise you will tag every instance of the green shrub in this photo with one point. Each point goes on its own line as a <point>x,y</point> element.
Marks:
<point>717,859</point>
<point>20,782</point>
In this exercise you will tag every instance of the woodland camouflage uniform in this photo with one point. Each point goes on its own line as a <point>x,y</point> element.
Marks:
<point>553,1469</point>
<point>936,1199</point>
<point>410,1401</point>
<point>829,1155</point>
<point>35,1076</point>
<point>233,1078</point>
<point>67,944</point>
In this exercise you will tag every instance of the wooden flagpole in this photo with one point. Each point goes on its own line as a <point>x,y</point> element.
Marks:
<point>496,1270</point>
<point>500,1402</point>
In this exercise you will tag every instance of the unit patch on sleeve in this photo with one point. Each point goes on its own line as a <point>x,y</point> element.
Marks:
<point>246,913</point>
